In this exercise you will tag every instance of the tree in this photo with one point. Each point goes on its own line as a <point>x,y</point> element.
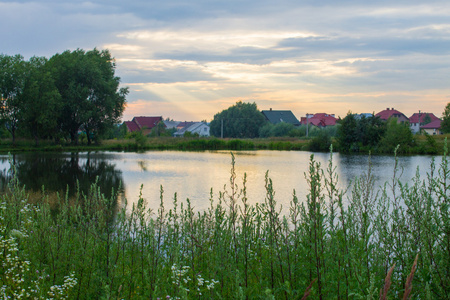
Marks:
<point>347,137</point>
<point>426,119</point>
<point>396,134</point>
<point>106,101</point>
<point>445,124</point>
<point>40,101</point>
<point>159,130</point>
<point>355,134</point>
<point>12,81</point>
<point>241,120</point>
<point>90,94</point>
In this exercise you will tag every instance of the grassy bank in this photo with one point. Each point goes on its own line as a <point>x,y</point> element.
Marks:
<point>161,143</point>
<point>422,145</point>
<point>359,245</point>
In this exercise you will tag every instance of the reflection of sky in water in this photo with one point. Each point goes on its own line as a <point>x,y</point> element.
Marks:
<point>193,174</point>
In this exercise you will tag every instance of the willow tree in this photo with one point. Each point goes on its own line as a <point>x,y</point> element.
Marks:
<point>41,101</point>
<point>91,99</point>
<point>13,73</point>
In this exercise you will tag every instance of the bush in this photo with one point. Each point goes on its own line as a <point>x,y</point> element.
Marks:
<point>321,142</point>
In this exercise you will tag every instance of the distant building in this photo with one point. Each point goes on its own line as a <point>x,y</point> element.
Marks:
<point>171,124</point>
<point>145,124</point>
<point>184,124</point>
<point>319,120</point>
<point>417,120</point>
<point>392,113</point>
<point>200,128</point>
<point>432,128</point>
<point>280,116</point>
<point>363,115</point>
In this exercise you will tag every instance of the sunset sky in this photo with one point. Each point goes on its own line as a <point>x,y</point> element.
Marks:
<point>188,60</point>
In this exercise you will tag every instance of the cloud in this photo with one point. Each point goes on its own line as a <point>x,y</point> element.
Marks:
<point>193,58</point>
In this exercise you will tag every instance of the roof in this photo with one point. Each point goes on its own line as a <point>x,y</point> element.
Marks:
<point>184,124</point>
<point>390,112</point>
<point>436,124</point>
<point>319,119</point>
<point>139,123</point>
<point>131,126</point>
<point>192,127</point>
<point>278,116</point>
<point>415,117</point>
<point>147,122</point>
<point>171,124</point>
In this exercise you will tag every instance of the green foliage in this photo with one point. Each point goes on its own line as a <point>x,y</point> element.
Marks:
<point>426,119</point>
<point>396,134</point>
<point>13,73</point>
<point>190,134</point>
<point>321,142</point>
<point>58,97</point>
<point>242,120</point>
<point>359,134</point>
<point>90,94</point>
<point>281,129</point>
<point>160,130</point>
<point>445,124</point>
<point>41,101</point>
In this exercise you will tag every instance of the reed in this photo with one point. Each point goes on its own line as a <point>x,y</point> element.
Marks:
<point>408,284</point>
<point>387,284</point>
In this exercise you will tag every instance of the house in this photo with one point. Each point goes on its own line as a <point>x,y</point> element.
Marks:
<point>200,128</point>
<point>418,119</point>
<point>279,116</point>
<point>145,124</point>
<point>363,115</point>
<point>319,120</point>
<point>184,124</point>
<point>432,128</point>
<point>392,113</point>
<point>171,124</point>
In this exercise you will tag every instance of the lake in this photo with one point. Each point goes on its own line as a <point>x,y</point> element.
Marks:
<point>193,174</point>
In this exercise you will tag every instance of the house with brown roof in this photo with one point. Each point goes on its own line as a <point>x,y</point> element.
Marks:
<point>392,113</point>
<point>319,119</point>
<point>432,128</point>
<point>145,124</point>
<point>417,120</point>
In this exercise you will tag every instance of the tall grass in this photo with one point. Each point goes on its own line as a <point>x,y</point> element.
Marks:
<point>360,243</point>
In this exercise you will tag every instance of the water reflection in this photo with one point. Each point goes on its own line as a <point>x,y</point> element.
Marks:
<point>62,172</point>
<point>193,174</point>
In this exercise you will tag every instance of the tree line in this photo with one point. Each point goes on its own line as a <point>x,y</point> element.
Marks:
<point>353,133</point>
<point>57,98</point>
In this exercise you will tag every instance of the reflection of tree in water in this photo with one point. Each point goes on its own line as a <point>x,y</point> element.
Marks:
<point>57,173</point>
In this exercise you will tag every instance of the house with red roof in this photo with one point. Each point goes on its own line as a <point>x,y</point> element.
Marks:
<point>145,124</point>
<point>392,113</point>
<point>417,120</point>
<point>319,120</point>
<point>432,128</point>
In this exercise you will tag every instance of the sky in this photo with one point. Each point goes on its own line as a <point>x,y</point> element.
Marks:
<point>188,60</point>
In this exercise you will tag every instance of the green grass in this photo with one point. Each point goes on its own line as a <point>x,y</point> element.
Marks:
<point>422,145</point>
<point>341,245</point>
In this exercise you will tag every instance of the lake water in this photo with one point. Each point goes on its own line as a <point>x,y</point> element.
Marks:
<point>193,174</point>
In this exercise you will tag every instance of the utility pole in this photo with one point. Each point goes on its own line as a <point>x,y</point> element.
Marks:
<point>221,128</point>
